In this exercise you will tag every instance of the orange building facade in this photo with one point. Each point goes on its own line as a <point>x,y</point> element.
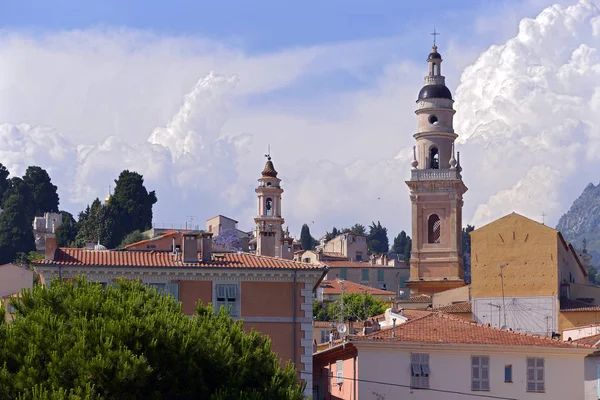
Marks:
<point>271,295</point>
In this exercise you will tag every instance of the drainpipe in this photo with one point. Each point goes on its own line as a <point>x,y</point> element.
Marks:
<point>354,378</point>
<point>294,317</point>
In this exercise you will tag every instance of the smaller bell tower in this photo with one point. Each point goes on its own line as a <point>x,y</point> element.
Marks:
<point>269,221</point>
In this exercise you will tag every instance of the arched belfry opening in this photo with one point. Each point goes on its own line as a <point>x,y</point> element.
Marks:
<point>434,230</point>
<point>269,206</point>
<point>434,158</point>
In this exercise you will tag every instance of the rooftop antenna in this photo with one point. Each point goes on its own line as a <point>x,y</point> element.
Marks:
<point>503,302</point>
<point>434,34</point>
<point>544,218</point>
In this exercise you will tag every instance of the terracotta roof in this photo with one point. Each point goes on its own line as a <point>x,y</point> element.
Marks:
<point>353,264</point>
<point>335,256</point>
<point>570,305</point>
<point>463,307</point>
<point>161,259</point>
<point>442,328</point>
<point>269,169</point>
<point>164,235</point>
<point>334,287</point>
<point>593,341</point>
<point>414,314</point>
<point>324,324</point>
<point>418,298</point>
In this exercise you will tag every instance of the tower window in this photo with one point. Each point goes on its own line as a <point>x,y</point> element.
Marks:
<point>268,183</point>
<point>433,120</point>
<point>269,206</point>
<point>434,158</point>
<point>433,228</point>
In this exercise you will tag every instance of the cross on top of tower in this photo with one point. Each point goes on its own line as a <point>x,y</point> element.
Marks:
<point>268,155</point>
<point>434,34</point>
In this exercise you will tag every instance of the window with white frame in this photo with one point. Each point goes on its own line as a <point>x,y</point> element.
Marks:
<point>419,368</point>
<point>166,288</point>
<point>480,373</point>
<point>227,296</point>
<point>535,375</point>
<point>339,372</point>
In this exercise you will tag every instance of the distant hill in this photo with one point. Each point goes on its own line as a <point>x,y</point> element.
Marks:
<point>582,221</point>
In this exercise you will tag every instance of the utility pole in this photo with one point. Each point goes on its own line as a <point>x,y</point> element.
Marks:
<point>502,282</point>
<point>342,302</point>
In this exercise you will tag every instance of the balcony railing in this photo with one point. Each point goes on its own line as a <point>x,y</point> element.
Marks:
<point>434,174</point>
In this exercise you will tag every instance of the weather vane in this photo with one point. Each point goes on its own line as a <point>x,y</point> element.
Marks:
<point>434,34</point>
<point>268,155</point>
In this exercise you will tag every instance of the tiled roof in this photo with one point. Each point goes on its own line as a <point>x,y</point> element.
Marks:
<point>334,287</point>
<point>462,307</point>
<point>164,235</point>
<point>324,324</point>
<point>419,298</point>
<point>593,341</point>
<point>161,259</point>
<point>414,314</point>
<point>570,305</point>
<point>442,328</point>
<point>353,264</point>
<point>335,256</point>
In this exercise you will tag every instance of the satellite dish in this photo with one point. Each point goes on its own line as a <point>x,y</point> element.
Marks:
<point>341,328</point>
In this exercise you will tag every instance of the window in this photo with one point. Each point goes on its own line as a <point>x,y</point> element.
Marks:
<point>150,246</point>
<point>419,368</point>
<point>434,158</point>
<point>535,375</point>
<point>380,275</point>
<point>325,336</point>
<point>508,373</point>
<point>358,256</point>
<point>433,120</point>
<point>360,239</point>
<point>339,372</point>
<point>269,206</point>
<point>434,226</point>
<point>480,373</point>
<point>167,288</point>
<point>227,296</point>
<point>365,274</point>
<point>344,274</point>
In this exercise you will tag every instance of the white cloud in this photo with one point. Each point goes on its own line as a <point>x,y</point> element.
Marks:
<point>527,120</point>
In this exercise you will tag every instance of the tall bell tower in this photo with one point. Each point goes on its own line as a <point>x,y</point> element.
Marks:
<point>268,221</point>
<point>436,190</point>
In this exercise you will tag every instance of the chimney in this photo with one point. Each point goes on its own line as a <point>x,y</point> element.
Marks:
<point>190,248</point>
<point>245,242</point>
<point>206,246</point>
<point>50,246</point>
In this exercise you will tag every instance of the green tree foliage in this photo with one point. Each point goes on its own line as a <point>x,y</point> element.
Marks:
<point>319,312</point>
<point>16,233</point>
<point>4,182</point>
<point>331,235</point>
<point>378,240</point>
<point>358,229</point>
<point>16,186</point>
<point>133,237</point>
<point>130,342</point>
<point>27,258</point>
<point>67,231</point>
<point>133,202</point>
<point>89,224</point>
<point>306,240</point>
<point>407,249</point>
<point>400,243</point>
<point>44,193</point>
<point>357,306</point>
<point>593,277</point>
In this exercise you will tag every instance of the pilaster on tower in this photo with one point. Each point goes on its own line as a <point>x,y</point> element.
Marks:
<point>436,189</point>
<point>268,220</point>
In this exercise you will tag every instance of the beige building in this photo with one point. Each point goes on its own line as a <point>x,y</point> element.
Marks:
<point>436,190</point>
<point>526,276</point>
<point>14,278</point>
<point>352,246</point>
<point>220,223</point>
<point>331,290</point>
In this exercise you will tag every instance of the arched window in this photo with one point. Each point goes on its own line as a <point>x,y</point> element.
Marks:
<point>269,206</point>
<point>434,158</point>
<point>434,229</point>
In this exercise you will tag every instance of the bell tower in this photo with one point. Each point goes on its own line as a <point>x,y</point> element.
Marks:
<point>436,190</point>
<point>268,221</point>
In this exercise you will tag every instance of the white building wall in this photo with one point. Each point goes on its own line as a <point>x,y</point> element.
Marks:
<point>578,333</point>
<point>536,314</point>
<point>592,375</point>
<point>451,372</point>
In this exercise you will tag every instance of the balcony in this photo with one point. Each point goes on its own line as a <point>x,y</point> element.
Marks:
<point>435,175</point>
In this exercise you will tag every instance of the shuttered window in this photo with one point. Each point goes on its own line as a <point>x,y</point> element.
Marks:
<point>227,296</point>
<point>419,368</point>
<point>535,375</point>
<point>480,373</point>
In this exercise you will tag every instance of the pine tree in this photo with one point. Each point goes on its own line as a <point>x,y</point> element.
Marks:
<point>407,250</point>
<point>128,341</point>
<point>67,231</point>
<point>4,182</point>
<point>306,240</point>
<point>377,240</point>
<point>44,193</point>
<point>16,233</point>
<point>358,229</point>
<point>400,243</point>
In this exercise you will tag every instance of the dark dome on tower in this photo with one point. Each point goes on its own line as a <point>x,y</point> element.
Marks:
<point>435,55</point>
<point>269,170</point>
<point>435,92</point>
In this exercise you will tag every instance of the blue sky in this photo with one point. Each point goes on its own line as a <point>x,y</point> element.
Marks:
<point>258,26</point>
